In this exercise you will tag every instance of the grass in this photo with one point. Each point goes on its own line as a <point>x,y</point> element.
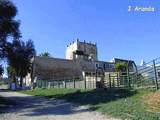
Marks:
<point>122,103</point>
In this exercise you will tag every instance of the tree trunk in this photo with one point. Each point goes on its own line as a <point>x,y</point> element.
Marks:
<point>21,81</point>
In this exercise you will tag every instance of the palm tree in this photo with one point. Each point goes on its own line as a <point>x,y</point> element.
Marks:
<point>19,57</point>
<point>121,66</point>
<point>45,54</point>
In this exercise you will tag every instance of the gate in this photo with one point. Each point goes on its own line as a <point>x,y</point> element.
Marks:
<point>149,74</point>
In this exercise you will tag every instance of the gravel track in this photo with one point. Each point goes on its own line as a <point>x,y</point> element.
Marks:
<point>27,107</point>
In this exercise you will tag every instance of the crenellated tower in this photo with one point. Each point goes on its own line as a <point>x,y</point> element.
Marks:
<point>82,50</point>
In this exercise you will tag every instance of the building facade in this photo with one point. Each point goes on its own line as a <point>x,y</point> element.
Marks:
<point>81,59</point>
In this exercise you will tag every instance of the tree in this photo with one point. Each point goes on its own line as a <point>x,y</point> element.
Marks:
<point>121,66</point>
<point>9,27</point>
<point>11,73</point>
<point>19,57</point>
<point>45,54</point>
<point>1,70</point>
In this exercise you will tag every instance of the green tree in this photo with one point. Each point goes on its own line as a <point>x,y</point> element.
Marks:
<point>9,27</point>
<point>19,57</point>
<point>121,66</point>
<point>1,70</point>
<point>11,74</point>
<point>45,54</point>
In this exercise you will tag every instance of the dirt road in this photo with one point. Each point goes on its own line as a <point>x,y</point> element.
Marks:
<point>28,107</point>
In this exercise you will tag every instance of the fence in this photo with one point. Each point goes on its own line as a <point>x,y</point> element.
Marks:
<point>149,74</point>
<point>120,80</point>
<point>72,82</point>
<point>109,80</point>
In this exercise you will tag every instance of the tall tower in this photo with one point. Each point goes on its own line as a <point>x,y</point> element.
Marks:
<point>81,50</point>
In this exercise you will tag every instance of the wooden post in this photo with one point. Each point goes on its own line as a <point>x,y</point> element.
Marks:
<point>58,84</point>
<point>114,81</point>
<point>110,81</point>
<point>53,83</point>
<point>85,81</point>
<point>155,72</point>
<point>128,74</point>
<point>74,82</point>
<point>117,80</point>
<point>65,83</point>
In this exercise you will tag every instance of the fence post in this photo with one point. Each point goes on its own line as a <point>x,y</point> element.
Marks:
<point>58,84</point>
<point>110,80</point>
<point>85,81</point>
<point>64,83</point>
<point>114,82</point>
<point>128,78</point>
<point>155,72</point>
<point>74,82</point>
<point>117,80</point>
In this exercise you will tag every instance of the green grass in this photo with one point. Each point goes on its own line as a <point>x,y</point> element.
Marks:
<point>123,103</point>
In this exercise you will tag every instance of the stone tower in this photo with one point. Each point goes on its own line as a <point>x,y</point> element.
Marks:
<point>81,51</point>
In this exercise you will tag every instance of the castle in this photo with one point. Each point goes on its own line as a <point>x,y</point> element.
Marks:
<point>81,59</point>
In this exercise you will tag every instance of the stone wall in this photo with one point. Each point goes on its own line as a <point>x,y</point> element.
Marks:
<point>56,68</point>
<point>88,49</point>
<point>47,68</point>
<point>70,49</point>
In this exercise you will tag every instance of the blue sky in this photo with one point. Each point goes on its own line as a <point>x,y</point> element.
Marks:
<point>52,24</point>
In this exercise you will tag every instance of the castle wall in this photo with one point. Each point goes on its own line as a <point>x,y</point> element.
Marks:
<point>88,49</point>
<point>70,49</point>
<point>55,68</point>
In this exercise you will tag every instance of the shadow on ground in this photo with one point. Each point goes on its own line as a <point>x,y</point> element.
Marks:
<point>5,104</point>
<point>36,106</point>
<point>95,97</point>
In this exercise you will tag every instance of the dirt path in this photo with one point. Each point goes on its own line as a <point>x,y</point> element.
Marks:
<point>28,107</point>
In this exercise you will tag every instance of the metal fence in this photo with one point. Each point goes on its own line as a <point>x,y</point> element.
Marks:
<point>120,80</point>
<point>149,74</point>
<point>110,80</point>
<point>72,82</point>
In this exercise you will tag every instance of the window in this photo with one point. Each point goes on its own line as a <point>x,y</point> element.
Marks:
<point>96,65</point>
<point>104,66</point>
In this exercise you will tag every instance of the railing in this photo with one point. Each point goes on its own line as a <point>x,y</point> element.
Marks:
<point>72,82</point>
<point>110,80</point>
<point>149,74</point>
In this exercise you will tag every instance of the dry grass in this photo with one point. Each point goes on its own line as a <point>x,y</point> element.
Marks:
<point>152,102</point>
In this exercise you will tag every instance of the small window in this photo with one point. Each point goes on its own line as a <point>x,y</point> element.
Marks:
<point>96,65</point>
<point>104,66</point>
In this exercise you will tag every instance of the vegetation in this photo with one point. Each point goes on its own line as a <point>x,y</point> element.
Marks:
<point>123,103</point>
<point>1,70</point>
<point>9,27</point>
<point>17,52</point>
<point>121,66</point>
<point>19,59</point>
<point>45,54</point>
